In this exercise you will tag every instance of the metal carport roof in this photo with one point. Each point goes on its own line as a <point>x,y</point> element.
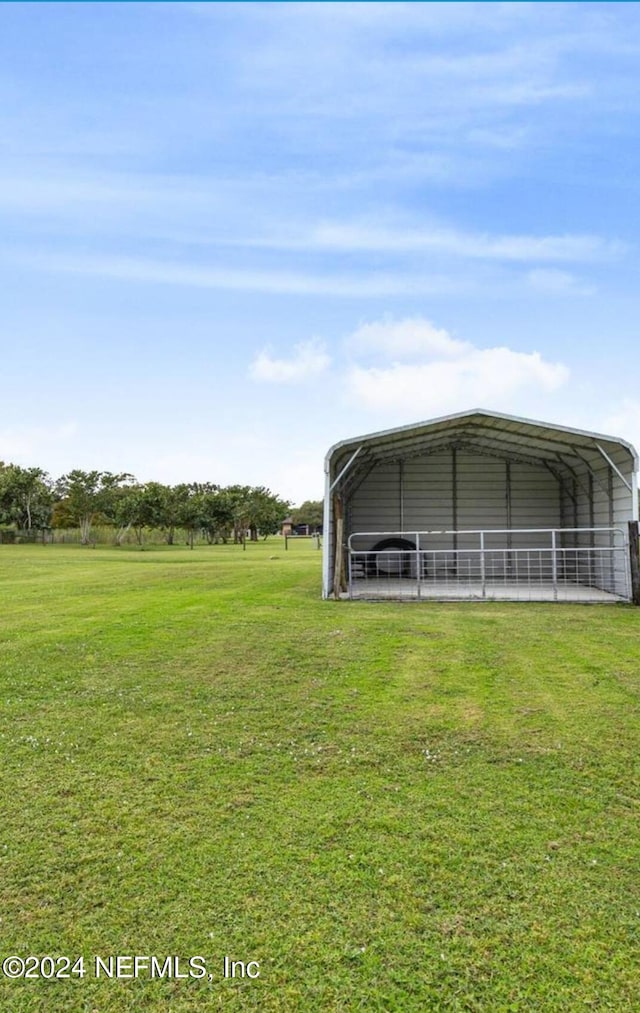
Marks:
<point>508,436</point>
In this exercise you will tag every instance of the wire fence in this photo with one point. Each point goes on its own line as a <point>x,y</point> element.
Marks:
<point>108,535</point>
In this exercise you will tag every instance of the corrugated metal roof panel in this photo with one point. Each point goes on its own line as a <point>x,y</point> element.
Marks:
<point>496,431</point>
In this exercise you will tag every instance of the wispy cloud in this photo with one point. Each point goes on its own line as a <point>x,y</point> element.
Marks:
<point>556,282</point>
<point>139,269</point>
<point>454,242</point>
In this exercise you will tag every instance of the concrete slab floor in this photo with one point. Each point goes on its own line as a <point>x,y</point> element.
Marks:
<point>407,589</point>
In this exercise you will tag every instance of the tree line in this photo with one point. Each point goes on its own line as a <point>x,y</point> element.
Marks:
<point>31,500</point>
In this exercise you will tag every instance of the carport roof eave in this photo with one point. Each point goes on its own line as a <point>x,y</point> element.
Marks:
<point>412,434</point>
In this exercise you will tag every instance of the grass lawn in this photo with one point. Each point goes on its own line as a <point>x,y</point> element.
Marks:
<point>389,807</point>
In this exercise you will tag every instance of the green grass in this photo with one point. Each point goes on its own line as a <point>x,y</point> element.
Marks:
<point>392,807</point>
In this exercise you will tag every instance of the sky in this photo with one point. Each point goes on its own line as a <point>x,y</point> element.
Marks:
<point>232,235</point>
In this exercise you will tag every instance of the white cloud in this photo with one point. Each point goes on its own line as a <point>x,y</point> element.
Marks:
<point>449,375</point>
<point>401,339</point>
<point>309,359</point>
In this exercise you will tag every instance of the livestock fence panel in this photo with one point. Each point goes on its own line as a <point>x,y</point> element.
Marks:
<point>516,564</point>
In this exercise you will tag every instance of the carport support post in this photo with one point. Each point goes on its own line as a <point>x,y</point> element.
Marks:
<point>454,508</point>
<point>338,568</point>
<point>635,562</point>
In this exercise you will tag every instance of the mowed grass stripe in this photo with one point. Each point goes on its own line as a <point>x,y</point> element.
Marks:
<point>392,807</point>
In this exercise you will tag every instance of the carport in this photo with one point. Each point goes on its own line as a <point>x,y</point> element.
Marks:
<point>480,505</point>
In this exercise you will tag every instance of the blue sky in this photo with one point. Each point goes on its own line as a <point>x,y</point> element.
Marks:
<point>233,234</point>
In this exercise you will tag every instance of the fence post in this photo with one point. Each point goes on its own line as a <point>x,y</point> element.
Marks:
<point>554,565</point>
<point>482,566</point>
<point>635,562</point>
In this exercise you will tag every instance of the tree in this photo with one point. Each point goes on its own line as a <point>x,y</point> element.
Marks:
<point>267,512</point>
<point>310,513</point>
<point>88,493</point>
<point>162,508</point>
<point>128,508</point>
<point>256,509</point>
<point>25,497</point>
<point>189,510</point>
<point>216,510</point>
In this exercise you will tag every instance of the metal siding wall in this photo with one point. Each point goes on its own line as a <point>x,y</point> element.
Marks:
<point>621,508</point>
<point>623,497</point>
<point>581,565</point>
<point>482,501</point>
<point>375,505</point>
<point>535,501</point>
<point>600,497</point>
<point>428,502</point>
<point>482,492</point>
<point>621,503</point>
<point>428,493</point>
<point>584,512</point>
<point>481,495</point>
